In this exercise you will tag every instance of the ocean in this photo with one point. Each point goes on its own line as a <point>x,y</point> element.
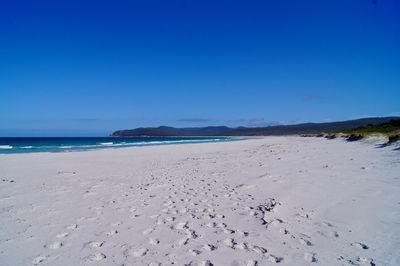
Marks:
<point>67,144</point>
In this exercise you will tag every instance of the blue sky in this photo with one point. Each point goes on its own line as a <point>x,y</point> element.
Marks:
<point>86,68</point>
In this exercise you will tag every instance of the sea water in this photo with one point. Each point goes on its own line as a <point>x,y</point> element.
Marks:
<point>65,144</point>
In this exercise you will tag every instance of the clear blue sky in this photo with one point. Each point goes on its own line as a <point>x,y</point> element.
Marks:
<point>86,68</point>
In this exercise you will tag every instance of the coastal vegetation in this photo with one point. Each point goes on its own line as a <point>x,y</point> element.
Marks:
<point>390,130</point>
<point>389,127</point>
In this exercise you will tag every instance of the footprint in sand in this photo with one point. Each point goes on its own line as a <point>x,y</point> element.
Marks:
<point>242,246</point>
<point>275,259</point>
<point>328,224</point>
<point>360,245</point>
<point>229,242</point>
<point>310,257</point>
<point>56,245</point>
<point>38,260</point>
<point>148,231</point>
<point>72,227</point>
<point>155,263</point>
<point>169,218</point>
<point>258,249</point>
<point>116,223</point>
<point>228,231</point>
<point>209,247</point>
<point>194,252</point>
<point>183,241</point>
<point>333,234</point>
<point>191,234</point>
<point>181,226</point>
<point>81,219</point>
<point>62,235</point>
<point>96,244</point>
<point>154,241</point>
<point>304,241</point>
<point>97,257</point>
<point>283,231</point>
<point>112,232</point>
<point>206,263</point>
<point>136,252</point>
<point>242,233</point>
<point>221,225</point>
<point>366,261</point>
<point>251,263</point>
<point>211,225</point>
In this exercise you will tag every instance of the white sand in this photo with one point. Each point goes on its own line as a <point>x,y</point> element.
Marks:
<point>292,200</point>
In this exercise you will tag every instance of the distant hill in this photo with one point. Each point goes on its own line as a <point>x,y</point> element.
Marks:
<point>164,131</point>
<point>306,128</point>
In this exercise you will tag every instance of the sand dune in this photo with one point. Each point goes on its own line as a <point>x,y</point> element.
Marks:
<point>285,200</point>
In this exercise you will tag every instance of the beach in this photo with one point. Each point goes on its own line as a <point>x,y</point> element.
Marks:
<point>259,201</point>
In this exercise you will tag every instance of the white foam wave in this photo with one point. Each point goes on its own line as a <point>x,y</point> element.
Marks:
<point>6,147</point>
<point>143,143</point>
<point>106,143</point>
<point>175,141</point>
<point>110,144</point>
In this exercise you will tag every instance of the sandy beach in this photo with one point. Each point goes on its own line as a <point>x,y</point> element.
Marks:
<point>286,200</point>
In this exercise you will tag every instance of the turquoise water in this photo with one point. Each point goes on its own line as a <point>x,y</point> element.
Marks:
<point>26,145</point>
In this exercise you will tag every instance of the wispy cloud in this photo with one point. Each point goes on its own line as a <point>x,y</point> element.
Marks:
<point>35,120</point>
<point>195,120</point>
<point>257,121</point>
<point>311,98</point>
<point>86,120</point>
<point>248,120</point>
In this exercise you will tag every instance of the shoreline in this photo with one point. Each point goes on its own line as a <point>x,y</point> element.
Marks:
<point>76,147</point>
